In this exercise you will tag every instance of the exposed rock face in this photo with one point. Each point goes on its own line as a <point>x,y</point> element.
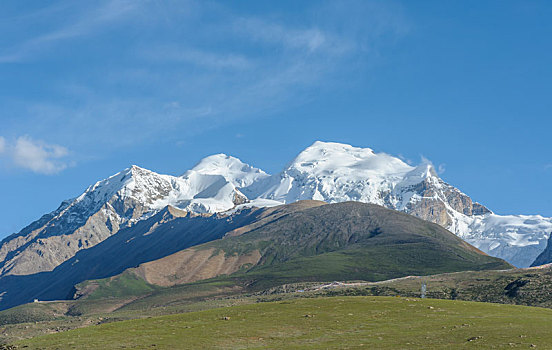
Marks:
<point>433,200</point>
<point>239,198</point>
<point>546,256</point>
<point>43,253</point>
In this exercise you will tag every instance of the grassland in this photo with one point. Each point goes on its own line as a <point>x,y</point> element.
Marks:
<point>336,322</point>
<point>530,287</point>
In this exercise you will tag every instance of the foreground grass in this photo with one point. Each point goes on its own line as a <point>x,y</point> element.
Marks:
<point>338,322</point>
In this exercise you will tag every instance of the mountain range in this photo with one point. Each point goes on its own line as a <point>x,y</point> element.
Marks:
<point>330,172</point>
<point>137,217</point>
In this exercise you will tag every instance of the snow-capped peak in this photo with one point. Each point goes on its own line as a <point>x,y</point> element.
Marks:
<point>325,158</point>
<point>335,172</point>
<point>232,169</point>
<point>143,184</point>
<point>211,186</point>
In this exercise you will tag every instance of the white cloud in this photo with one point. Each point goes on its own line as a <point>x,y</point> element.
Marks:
<point>35,155</point>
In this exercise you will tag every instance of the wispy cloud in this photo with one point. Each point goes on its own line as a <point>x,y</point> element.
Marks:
<point>34,155</point>
<point>404,159</point>
<point>87,22</point>
<point>308,39</point>
<point>440,169</point>
<point>198,57</point>
<point>139,71</point>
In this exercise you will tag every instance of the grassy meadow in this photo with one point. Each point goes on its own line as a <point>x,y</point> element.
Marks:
<point>322,323</point>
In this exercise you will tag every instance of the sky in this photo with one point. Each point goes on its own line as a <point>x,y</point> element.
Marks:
<point>88,88</point>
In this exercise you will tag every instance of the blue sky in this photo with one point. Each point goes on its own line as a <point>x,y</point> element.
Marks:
<point>88,88</point>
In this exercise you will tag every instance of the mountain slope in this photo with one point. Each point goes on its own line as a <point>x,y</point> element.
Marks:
<point>546,256</point>
<point>322,242</point>
<point>167,232</point>
<point>118,202</point>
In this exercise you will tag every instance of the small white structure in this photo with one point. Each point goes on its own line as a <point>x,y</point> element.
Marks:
<point>35,301</point>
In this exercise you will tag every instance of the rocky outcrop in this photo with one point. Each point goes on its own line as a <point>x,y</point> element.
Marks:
<point>436,201</point>
<point>44,253</point>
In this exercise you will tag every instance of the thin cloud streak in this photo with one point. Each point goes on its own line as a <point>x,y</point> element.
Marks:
<point>309,39</point>
<point>198,57</point>
<point>90,22</point>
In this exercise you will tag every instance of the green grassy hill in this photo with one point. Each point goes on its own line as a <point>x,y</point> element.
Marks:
<point>323,323</point>
<point>342,241</point>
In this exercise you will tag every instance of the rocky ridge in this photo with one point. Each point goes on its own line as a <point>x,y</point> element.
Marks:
<point>120,201</point>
